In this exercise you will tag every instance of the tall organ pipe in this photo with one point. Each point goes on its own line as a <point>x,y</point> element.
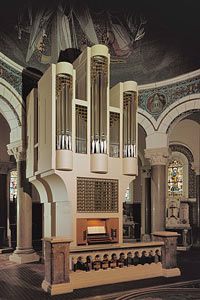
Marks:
<point>129,123</point>
<point>99,71</point>
<point>64,111</point>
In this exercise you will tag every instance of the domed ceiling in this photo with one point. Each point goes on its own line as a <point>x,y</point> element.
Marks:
<point>148,40</point>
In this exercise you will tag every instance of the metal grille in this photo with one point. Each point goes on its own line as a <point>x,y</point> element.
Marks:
<point>97,195</point>
<point>99,64</point>
<point>129,97</point>
<point>63,80</point>
<point>114,117</point>
<point>82,112</point>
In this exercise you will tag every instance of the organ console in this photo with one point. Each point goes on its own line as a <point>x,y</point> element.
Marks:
<point>97,231</point>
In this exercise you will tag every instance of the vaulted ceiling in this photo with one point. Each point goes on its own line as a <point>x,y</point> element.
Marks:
<point>164,35</point>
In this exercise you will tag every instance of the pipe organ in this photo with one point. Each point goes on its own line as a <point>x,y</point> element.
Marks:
<point>99,83</point>
<point>64,94</point>
<point>129,123</point>
<point>87,147</point>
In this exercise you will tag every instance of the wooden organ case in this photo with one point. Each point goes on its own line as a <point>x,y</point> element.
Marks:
<point>97,231</point>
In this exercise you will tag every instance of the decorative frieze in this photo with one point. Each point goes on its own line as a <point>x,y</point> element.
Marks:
<point>12,76</point>
<point>156,100</point>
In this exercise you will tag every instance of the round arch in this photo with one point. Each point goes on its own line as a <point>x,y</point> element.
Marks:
<point>177,111</point>
<point>11,107</point>
<point>146,121</point>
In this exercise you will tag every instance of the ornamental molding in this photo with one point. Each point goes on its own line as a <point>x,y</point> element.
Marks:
<point>11,72</point>
<point>18,150</point>
<point>158,156</point>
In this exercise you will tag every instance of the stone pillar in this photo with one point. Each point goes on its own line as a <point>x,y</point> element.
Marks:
<point>24,252</point>
<point>197,229</point>
<point>158,159</point>
<point>56,266</point>
<point>146,203</point>
<point>169,261</point>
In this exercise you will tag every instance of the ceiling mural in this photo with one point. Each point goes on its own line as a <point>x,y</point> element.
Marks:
<point>149,41</point>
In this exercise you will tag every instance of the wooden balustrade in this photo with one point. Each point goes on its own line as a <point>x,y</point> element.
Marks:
<point>108,256</point>
<point>106,264</point>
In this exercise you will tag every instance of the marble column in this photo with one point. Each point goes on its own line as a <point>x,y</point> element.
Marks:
<point>24,252</point>
<point>146,203</point>
<point>158,160</point>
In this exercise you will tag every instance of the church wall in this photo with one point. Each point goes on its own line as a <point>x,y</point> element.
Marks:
<point>187,132</point>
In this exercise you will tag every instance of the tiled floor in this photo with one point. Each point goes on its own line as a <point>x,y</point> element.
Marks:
<point>23,282</point>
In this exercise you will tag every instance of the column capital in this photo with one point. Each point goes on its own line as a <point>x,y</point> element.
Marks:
<point>146,171</point>
<point>18,150</point>
<point>158,156</point>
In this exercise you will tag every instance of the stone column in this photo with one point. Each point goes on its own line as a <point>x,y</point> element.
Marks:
<point>158,159</point>
<point>197,229</point>
<point>146,203</point>
<point>24,252</point>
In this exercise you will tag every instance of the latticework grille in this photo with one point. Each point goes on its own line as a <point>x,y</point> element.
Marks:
<point>63,80</point>
<point>97,195</point>
<point>114,117</point>
<point>99,64</point>
<point>129,96</point>
<point>82,112</point>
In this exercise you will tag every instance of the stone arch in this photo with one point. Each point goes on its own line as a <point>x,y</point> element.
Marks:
<point>146,121</point>
<point>11,107</point>
<point>191,173</point>
<point>177,111</point>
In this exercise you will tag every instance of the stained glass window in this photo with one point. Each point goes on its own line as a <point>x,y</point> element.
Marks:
<point>13,185</point>
<point>175,178</point>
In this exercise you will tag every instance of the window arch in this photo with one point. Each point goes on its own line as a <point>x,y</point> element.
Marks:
<point>175,178</point>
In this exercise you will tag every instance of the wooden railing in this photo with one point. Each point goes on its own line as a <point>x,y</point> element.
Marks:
<point>68,268</point>
<point>114,256</point>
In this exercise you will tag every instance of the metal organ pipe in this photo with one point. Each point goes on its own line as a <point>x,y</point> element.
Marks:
<point>64,111</point>
<point>99,81</point>
<point>129,123</point>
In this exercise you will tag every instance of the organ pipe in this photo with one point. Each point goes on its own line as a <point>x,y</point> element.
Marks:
<point>99,82</point>
<point>129,123</point>
<point>64,112</point>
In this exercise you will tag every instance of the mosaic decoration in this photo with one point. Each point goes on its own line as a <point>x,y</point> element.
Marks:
<point>13,186</point>
<point>156,103</point>
<point>175,178</point>
<point>191,173</point>
<point>12,76</point>
<point>156,100</point>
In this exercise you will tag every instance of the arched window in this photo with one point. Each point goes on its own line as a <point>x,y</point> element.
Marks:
<point>175,178</point>
<point>13,186</point>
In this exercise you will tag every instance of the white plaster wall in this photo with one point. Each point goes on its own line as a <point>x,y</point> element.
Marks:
<point>187,132</point>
